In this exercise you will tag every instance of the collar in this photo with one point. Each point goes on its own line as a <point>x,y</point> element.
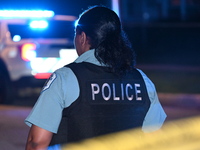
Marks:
<point>89,57</point>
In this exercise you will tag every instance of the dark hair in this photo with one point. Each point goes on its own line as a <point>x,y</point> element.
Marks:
<point>103,28</point>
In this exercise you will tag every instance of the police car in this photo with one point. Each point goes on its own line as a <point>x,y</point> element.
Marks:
<point>33,44</point>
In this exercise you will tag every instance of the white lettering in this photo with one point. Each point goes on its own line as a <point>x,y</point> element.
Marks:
<point>109,91</point>
<point>130,98</point>
<point>114,93</point>
<point>122,90</point>
<point>94,86</point>
<point>137,92</point>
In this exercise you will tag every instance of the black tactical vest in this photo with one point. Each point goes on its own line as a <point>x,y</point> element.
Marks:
<point>106,104</point>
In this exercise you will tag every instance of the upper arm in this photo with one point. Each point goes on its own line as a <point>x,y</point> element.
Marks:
<point>58,94</point>
<point>155,116</point>
<point>38,138</point>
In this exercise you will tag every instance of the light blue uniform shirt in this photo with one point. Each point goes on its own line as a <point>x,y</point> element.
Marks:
<point>62,90</point>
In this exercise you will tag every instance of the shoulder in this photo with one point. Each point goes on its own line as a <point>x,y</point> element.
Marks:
<point>64,71</point>
<point>66,76</point>
<point>151,89</point>
<point>147,81</point>
<point>57,78</point>
<point>69,85</point>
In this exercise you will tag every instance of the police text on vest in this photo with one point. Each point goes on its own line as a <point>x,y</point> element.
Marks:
<point>108,91</point>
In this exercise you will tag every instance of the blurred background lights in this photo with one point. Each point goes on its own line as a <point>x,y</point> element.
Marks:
<point>38,24</point>
<point>42,65</point>
<point>28,51</point>
<point>31,55</point>
<point>26,13</point>
<point>16,38</point>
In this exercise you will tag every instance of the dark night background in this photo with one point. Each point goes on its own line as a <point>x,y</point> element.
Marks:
<point>165,35</point>
<point>161,31</point>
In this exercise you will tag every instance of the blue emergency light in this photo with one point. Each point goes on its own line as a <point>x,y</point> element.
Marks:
<point>26,14</point>
<point>38,24</point>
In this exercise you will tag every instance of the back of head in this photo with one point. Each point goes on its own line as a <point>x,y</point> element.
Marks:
<point>104,31</point>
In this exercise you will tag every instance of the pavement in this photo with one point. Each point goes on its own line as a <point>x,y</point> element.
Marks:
<point>13,131</point>
<point>179,106</point>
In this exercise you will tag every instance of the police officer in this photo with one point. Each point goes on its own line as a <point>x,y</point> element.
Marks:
<point>100,93</point>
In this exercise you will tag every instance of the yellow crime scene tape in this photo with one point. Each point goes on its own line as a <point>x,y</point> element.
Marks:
<point>181,134</point>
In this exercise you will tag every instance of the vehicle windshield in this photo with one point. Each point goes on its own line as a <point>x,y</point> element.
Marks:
<point>55,29</point>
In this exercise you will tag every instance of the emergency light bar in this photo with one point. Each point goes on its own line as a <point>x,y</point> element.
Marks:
<point>26,14</point>
<point>38,24</point>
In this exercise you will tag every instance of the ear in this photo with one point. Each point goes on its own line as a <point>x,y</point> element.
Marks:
<point>83,38</point>
<point>84,41</point>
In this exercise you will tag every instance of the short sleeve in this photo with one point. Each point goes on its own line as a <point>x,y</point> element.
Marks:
<point>55,96</point>
<point>155,116</point>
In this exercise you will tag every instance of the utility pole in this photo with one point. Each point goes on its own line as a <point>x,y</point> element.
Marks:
<point>115,7</point>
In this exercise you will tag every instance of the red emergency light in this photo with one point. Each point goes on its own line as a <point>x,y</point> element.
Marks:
<point>42,75</point>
